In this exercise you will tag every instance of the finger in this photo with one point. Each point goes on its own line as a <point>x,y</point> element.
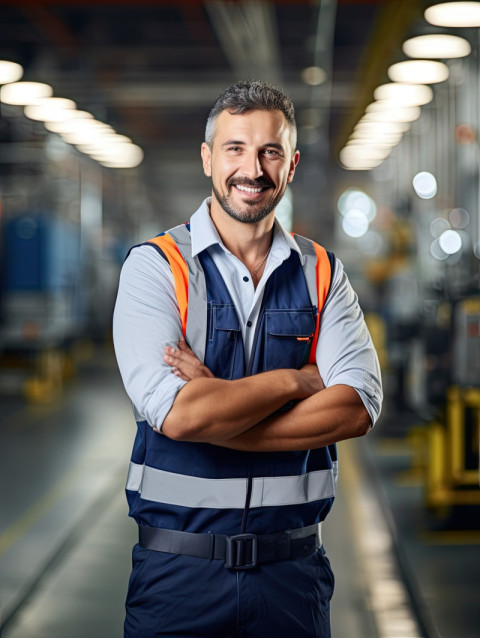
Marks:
<point>182,345</point>
<point>179,358</point>
<point>184,363</point>
<point>172,355</point>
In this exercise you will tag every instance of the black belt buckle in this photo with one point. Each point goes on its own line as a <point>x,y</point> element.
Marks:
<point>241,551</point>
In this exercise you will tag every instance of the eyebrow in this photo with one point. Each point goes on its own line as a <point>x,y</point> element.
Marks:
<point>236,142</point>
<point>242,143</point>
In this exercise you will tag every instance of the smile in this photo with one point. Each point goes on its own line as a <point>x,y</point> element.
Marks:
<point>248,189</point>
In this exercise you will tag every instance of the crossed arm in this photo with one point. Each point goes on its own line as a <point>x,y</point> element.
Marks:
<point>243,414</point>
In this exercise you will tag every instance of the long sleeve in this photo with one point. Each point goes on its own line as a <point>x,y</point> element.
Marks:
<point>146,320</point>
<point>345,352</point>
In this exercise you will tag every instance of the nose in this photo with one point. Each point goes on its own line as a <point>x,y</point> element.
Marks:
<point>252,167</point>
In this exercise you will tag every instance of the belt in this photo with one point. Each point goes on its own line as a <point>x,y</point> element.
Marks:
<point>240,551</point>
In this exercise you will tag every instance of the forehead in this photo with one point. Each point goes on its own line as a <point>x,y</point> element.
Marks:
<point>253,127</point>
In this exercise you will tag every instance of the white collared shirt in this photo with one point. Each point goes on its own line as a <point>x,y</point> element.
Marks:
<point>146,320</point>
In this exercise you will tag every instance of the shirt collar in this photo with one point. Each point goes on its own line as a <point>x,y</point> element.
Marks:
<point>204,233</point>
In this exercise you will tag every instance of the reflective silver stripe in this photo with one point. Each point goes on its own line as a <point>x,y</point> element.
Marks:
<point>293,490</point>
<point>197,292</point>
<point>134,478</point>
<point>268,491</point>
<point>309,264</point>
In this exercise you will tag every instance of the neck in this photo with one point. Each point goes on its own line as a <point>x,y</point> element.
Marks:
<point>248,242</point>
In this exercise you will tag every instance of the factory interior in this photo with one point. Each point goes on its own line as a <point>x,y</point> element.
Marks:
<point>103,107</point>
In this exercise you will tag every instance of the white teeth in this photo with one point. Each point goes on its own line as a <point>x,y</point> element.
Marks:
<point>247,189</point>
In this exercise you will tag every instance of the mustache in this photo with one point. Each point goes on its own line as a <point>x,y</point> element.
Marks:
<point>261,182</point>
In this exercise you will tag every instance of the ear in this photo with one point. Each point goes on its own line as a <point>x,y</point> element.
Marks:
<point>206,159</point>
<point>293,164</point>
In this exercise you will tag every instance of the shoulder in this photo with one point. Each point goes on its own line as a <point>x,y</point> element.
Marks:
<point>145,261</point>
<point>323,256</point>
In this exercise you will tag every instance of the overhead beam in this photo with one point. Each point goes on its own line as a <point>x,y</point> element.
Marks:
<point>247,32</point>
<point>393,20</point>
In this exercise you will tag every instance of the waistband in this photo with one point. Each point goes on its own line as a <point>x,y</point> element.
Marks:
<point>239,551</point>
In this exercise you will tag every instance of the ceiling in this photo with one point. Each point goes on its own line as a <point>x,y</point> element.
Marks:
<point>152,69</point>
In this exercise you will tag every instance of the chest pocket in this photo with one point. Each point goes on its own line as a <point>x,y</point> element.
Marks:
<point>224,340</point>
<point>288,336</point>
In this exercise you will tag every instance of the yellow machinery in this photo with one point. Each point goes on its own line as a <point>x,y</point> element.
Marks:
<point>452,467</point>
<point>445,452</point>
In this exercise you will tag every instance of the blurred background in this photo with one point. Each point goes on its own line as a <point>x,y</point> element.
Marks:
<point>102,113</point>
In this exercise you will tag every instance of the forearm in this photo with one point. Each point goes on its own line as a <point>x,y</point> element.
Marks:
<point>214,410</point>
<point>329,416</point>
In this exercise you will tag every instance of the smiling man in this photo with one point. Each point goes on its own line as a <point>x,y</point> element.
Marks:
<point>257,157</point>
<point>240,393</point>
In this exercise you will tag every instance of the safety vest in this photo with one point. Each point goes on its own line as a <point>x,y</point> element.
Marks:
<point>199,487</point>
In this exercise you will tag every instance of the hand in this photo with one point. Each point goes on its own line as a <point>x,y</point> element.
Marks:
<point>311,380</point>
<point>184,363</point>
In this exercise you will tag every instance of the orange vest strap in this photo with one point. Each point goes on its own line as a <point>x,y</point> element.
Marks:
<point>179,271</point>
<point>324,277</point>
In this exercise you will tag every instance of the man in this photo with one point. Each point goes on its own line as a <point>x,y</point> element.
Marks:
<point>240,394</point>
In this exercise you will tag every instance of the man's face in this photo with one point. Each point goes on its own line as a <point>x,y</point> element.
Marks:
<point>251,163</point>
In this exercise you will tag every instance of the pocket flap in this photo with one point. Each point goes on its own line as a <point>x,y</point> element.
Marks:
<point>226,318</point>
<point>290,323</point>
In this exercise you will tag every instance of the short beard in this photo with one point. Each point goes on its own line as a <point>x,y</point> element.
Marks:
<point>246,218</point>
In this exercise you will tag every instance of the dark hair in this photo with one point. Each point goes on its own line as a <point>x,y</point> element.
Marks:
<point>251,95</point>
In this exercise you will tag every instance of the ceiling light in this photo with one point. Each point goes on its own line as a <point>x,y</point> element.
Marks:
<point>376,139</point>
<point>450,242</point>
<point>10,71</point>
<point>314,75</point>
<point>348,199</point>
<point>364,151</point>
<point>371,153</point>
<point>425,185</point>
<point>68,125</point>
<point>356,157</point>
<point>357,164</point>
<point>116,138</point>
<point>371,141</point>
<point>360,166</point>
<point>402,94</point>
<point>128,156</point>
<point>439,45</point>
<point>51,109</point>
<point>419,72</point>
<point>377,135</point>
<point>23,93</point>
<point>355,223</point>
<point>381,128</point>
<point>385,112</point>
<point>105,143</point>
<point>356,199</point>
<point>454,14</point>
<point>86,131</point>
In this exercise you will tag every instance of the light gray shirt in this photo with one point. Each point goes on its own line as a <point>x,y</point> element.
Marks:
<point>147,319</point>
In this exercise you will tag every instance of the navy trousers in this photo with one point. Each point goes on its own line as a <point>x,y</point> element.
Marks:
<point>171,595</point>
